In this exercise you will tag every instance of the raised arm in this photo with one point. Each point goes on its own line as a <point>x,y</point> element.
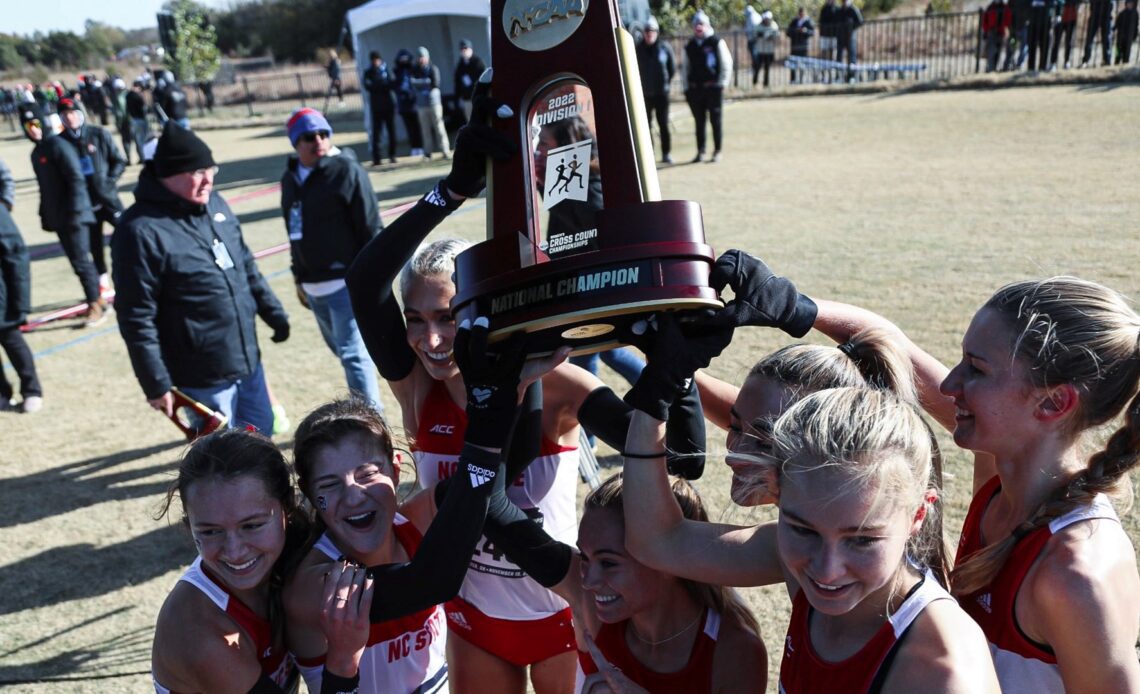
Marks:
<point>656,532</point>
<point>840,321</point>
<point>492,382</point>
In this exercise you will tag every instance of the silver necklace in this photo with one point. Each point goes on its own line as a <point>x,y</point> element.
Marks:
<point>667,639</point>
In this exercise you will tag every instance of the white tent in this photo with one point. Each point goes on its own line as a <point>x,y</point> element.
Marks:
<point>387,26</point>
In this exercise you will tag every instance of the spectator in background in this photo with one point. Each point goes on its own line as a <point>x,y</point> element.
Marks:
<point>799,33</point>
<point>102,164</point>
<point>189,291</point>
<point>1065,27</point>
<point>65,206</point>
<point>467,72</point>
<point>1126,28</point>
<point>1019,35</point>
<point>657,66</point>
<point>406,101</point>
<point>206,88</point>
<point>767,34</point>
<point>15,303</point>
<point>751,22</point>
<point>425,81</point>
<point>708,65</point>
<point>333,70</point>
<point>850,19</point>
<point>122,120</point>
<point>330,214</point>
<point>136,112</point>
<point>170,100</point>
<point>1040,19</point>
<point>380,84</point>
<point>828,26</point>
<point>996,21</point>
<point>1100,21</point>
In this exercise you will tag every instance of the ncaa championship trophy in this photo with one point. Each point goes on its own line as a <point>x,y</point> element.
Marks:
<point>580,243</point>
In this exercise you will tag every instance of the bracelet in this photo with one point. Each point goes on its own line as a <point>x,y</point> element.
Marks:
<point>643,456</point>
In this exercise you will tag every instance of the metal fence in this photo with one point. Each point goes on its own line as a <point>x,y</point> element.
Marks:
<point>927,47</point>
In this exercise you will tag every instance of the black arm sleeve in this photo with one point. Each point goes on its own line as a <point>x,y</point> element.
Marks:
<point>436,572</point>
<point>370,278</point>
<point>525,543</point>
<point>607,416</point>
<point>526,437</point>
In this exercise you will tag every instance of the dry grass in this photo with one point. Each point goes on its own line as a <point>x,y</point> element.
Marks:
<point>917,206</point>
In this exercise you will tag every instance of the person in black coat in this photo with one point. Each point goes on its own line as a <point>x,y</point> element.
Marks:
<point>467,72</point>
<point>65,206</point>
<point>850,19</point>
<point>1126,29</point>
<point>406,102</point>
<point>102,164</point>
<point>657,65</point>
<point>380,84</point>
<point>828,29</point>
<point>189,291</point>
<point>330,213</point>
<point>799,33</point>
<point>15,303</point>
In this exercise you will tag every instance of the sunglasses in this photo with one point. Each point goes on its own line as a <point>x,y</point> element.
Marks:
<point>312,137</point>
<point>34,123</point>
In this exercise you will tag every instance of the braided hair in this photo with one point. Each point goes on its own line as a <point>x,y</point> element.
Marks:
<point>1071,331</point>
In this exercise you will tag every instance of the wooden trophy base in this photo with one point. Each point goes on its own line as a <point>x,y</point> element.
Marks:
<point>589,300</point>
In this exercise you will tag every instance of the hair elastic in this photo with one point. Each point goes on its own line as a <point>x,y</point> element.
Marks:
<point>847,348</point>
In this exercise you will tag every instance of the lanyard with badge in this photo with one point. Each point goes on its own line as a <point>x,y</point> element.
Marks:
<point>222,255</point>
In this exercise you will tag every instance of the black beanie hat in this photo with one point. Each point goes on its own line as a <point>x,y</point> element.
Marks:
<point>29,112</point>
<point>179,150</point>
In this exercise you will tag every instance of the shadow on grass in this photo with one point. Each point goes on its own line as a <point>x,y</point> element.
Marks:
<point>78,485</point>
<point>76,572</point>
<point>121,655</point>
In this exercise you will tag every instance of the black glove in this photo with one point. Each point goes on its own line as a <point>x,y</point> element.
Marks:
<point>673,356</point>
<point>476,141</point>
<point>762,298</point>
<point>491,380</point>
<point>280,332</point>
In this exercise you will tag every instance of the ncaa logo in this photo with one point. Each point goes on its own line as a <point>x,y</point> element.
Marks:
<point>537,25</point>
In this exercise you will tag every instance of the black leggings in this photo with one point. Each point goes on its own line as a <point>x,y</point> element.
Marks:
<point>707,102</point>
<point>21,357</point>
<point>76,244</point>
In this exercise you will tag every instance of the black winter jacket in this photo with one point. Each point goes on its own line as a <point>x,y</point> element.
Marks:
<point>657,66</point>
<point>64,202</point>
<point>380,84</point>
<point>107,163</point>
<point>329,217</point>
<point>472,69</point>
<point>15,274</point>
<point>187,321</point>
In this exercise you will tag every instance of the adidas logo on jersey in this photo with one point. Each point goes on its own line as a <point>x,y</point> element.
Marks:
<point>984,601</point>
<point>446,429</point>
<point>479,475</point>
<point>435,198</point>
<point>459,620</point>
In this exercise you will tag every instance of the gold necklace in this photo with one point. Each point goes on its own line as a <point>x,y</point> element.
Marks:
<point>667,639</point>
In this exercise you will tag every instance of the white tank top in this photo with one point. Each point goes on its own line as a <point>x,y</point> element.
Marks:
<point>403,655</point>
<point>548,489</point>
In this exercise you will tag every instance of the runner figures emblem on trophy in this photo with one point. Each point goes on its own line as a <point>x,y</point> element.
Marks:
<point>581,244</point>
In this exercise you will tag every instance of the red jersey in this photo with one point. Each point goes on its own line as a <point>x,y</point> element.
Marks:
<point>803,671</point>
<point>694,678</point>
<point>1022,665</point>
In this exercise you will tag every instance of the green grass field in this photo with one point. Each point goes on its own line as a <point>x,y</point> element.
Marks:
<point>917,206</point>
